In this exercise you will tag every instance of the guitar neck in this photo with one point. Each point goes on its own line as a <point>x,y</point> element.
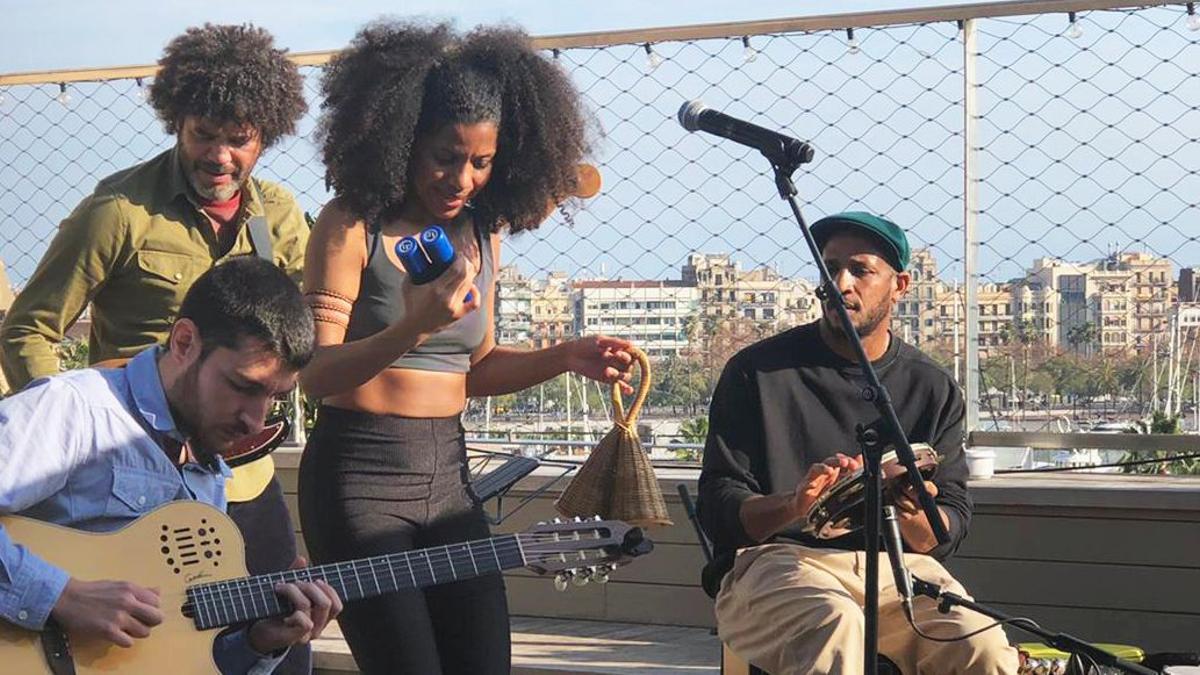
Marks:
<point>224,603</point>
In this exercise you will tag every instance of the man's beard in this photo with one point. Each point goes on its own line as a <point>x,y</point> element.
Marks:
<point>215,193</point>
<point>869,324</point>
<point>184,400</point>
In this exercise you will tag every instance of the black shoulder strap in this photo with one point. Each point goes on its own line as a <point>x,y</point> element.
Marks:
<point>260,236</point>
<point>56,647</point>
<point>373,237</point>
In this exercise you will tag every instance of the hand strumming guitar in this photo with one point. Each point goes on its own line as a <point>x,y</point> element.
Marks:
<point>117,611</point>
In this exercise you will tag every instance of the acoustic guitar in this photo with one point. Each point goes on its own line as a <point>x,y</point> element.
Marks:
<point>192,553</point>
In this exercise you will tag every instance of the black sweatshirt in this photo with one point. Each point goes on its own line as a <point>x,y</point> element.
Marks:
<point>789,401</point>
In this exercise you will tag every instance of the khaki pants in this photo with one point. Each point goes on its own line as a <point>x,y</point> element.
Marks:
<point>788,609</point>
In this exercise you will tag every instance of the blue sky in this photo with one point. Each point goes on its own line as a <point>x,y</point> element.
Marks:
<point>57,34</point>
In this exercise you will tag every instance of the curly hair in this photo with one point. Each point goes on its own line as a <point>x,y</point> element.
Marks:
<point>231,74</point>
<point>399,80</point>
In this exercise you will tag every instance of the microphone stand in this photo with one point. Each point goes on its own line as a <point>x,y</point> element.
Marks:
<point>1060,641</point>
<point>785,161</point>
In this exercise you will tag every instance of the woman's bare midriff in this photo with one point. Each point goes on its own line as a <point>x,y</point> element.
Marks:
<point>407,393</point>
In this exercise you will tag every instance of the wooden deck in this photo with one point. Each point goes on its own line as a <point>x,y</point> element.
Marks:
<point>557,647</point>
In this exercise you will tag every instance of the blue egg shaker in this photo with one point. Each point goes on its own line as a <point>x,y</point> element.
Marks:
<point>427,255</point>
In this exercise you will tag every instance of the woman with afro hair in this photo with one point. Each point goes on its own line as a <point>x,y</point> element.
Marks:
<point>481,135</point>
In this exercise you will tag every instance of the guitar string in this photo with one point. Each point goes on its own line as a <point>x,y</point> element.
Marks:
<point>221,600</point>
<point>446,551</point>
<point>217,594</point>
<point>222,597</point>
<point>506,542</point>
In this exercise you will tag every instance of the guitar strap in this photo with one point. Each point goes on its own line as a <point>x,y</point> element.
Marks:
<point>252,478</point>
<point>57,648</point>
<point>260,235</point>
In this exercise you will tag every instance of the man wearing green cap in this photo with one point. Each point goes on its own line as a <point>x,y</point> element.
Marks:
<point>782,433</point>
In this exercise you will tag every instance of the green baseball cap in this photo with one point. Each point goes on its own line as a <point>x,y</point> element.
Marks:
<point>896,248</point>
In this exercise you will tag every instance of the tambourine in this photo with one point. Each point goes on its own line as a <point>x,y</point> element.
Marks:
<point>839,509</point>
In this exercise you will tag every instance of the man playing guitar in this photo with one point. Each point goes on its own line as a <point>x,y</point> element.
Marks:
<point>97,449</point>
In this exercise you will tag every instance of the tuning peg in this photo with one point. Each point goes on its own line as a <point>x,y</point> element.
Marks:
<point>582,577</point>
<point>600,574</point>
<point>561,580</point>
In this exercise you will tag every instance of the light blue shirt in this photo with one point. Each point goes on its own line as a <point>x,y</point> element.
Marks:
<point>79,449</point>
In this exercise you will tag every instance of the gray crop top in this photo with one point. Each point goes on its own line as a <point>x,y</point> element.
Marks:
<point>379,305</point>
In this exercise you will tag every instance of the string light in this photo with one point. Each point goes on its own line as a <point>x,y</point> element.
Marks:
<point>962,26</point>
<point>749,53</point>
<point>143,90</point>
<point>653,60</point>
<point>1074,31</point>
<point>851,42</point>
<point>556,53</point>
<point>1193,21</point>
<point>64,97</point>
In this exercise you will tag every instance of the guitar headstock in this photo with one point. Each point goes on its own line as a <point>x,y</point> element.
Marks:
<point>578,551</point>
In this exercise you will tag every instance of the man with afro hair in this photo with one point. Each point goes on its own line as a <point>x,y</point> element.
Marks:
<point>135,245</point>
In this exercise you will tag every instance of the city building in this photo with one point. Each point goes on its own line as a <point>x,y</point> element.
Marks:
<point>1120,302</point>
<point>1189,284</point>
<point>916,318</point>
<point>514,307</point>
<point>553,311</point>
<point>6,299</point>
<point>758,295</point>
<point>655,315</point>
<point>6,291</point>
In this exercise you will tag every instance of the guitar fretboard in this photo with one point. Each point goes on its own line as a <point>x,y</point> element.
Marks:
<point>240,600</point>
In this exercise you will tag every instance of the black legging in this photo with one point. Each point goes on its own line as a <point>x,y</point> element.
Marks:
<point>375,484</point>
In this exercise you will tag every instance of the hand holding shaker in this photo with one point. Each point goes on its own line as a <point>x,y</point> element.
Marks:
<point>427,255</point>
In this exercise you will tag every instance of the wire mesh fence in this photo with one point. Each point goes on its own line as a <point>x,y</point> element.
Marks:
<point>1085,163</point>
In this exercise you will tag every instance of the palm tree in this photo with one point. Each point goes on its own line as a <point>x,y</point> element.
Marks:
<point>1083,334</point>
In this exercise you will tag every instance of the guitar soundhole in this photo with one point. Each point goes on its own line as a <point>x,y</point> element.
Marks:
<point>183,547</point>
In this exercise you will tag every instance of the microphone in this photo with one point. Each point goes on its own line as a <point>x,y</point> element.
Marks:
<point>895,551</point>
<point>780,149</point>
